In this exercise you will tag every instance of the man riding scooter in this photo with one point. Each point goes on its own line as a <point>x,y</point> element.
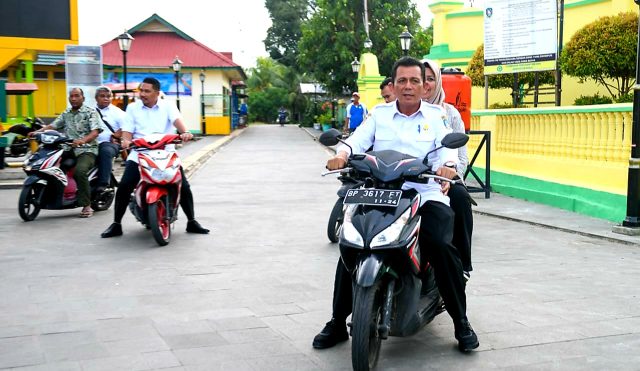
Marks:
<point>82,124</point>
<point>409,125</point>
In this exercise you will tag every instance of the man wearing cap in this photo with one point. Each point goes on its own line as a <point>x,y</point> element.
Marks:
<point>108,140</point>
<point>356,112</point>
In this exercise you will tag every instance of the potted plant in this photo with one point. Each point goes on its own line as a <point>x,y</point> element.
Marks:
<point>325,120</point>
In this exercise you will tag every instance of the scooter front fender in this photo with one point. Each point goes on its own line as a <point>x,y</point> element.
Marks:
<point>155,193</point>
<point>32,179</point>
<point>368,270</point>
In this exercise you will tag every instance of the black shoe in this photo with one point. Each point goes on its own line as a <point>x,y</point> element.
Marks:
<point>115,229</point>
<point>467,339</point>
<point>333,333</point>
<point>194,227</point>
<point>100,189</point>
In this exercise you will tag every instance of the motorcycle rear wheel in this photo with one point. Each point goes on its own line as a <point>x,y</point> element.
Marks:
<point>367,317</point>
<point>334,228</point>
<point>28,208</point>
<point>159,222</point>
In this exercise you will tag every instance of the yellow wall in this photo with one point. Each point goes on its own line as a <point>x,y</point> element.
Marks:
<point>218,125</point>
<point>459,30</point>
<point>584,146</point>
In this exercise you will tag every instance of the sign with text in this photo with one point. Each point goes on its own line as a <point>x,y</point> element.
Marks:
<point>520,36</point>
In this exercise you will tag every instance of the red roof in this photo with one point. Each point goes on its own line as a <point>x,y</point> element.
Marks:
<point>158,49</point>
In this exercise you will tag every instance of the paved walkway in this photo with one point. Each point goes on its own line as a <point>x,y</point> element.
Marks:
<point>251,295</point>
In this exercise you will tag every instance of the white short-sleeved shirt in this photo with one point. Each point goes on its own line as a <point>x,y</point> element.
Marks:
<point>414,135</point>
<point>115,117</point>
<point>141,121</point>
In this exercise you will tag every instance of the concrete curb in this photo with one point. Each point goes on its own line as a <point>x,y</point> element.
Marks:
<point>620,240</point>
<point>192,163</point>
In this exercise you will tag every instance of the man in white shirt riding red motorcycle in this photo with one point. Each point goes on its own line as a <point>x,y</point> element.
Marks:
<point>150,115</point>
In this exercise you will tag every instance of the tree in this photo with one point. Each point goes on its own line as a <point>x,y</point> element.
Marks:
<point>526,80</point>
<point>271,85</point>
<point>604,50</point>
<point>335,34</point>
<point>285,31</point>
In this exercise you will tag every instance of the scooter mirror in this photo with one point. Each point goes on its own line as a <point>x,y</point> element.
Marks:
<point>455,140</point>
<point>330,137</point>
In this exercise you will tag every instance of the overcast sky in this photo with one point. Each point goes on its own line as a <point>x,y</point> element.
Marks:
<point>238,26</point>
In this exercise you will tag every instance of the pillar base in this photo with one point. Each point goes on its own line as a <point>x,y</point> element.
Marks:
<point>629,231</point>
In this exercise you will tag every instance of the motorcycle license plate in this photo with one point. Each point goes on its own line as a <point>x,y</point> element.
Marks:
<point>370,196</point>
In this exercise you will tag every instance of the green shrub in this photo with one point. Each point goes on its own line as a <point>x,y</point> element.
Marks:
<point>505,105</point>
<point>592,99</point>
<point>625,98</point>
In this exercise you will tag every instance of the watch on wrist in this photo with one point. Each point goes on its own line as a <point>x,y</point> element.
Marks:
<point>450,164</point>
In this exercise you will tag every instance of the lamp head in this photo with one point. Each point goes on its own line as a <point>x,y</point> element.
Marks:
<point>176,64</point>
<point>405,40</point>
<point>124,41</point>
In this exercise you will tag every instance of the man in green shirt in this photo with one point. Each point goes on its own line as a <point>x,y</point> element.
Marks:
<point>82,124</point>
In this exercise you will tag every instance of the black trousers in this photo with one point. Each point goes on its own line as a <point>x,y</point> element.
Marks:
<point>436,230</point>
<point>128,183</point>
<point>107,151</point>
<point>463,223</point>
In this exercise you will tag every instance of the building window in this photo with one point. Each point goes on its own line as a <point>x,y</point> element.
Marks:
<point>40,75</point>
<point>59,76</point>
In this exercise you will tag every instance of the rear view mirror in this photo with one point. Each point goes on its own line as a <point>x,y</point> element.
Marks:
<point>455,140</point>
<point>330,137</point>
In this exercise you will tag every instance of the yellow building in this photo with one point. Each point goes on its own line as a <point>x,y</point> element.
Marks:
<point>31,51</point>
<point>459,30</point>
<point>575,158</point>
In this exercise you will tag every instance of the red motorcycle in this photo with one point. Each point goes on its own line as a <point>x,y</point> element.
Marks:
<point>156,199</point>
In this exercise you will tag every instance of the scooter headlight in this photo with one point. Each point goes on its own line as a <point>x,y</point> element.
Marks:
<point>163,175</point>
<point>349,232</point>
<point>391,233</point>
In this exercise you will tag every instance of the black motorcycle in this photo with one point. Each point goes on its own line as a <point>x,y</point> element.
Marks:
<point>20,145</point>
<point>393,294</point>
<point>50,184</point>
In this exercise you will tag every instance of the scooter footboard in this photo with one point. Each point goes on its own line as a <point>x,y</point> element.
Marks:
<point>407,320</point>
<point>413,310</point>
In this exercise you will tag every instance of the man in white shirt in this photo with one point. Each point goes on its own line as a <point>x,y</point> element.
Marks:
<point>108,140</point>
<point>414,127</point>
<point>150,115</point>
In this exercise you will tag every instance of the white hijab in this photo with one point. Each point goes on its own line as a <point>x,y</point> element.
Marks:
<point>438,97</point>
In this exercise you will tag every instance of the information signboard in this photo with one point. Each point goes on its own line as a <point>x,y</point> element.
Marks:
<point>520,36</point>
<point>83,69</point>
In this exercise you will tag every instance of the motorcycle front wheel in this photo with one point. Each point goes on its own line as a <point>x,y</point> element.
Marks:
<point>335,221</point>
<point>28,202</point>
<point>367,317</point>
<point>103,201</point>
<point>159,222</point>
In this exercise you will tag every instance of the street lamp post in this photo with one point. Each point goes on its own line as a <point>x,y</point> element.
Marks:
<point>204,128</point>
<point>631,223</point>
<point>177,65</point>
<point>355,68</point>
<point>124,43</point>
<point>405,40</point>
